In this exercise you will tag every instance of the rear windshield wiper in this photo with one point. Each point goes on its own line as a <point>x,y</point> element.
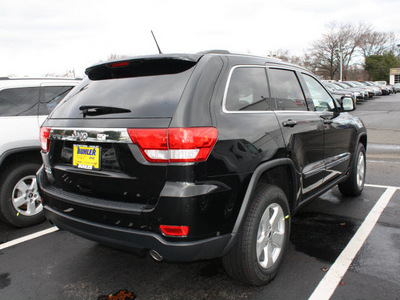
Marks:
<point>96,110</point>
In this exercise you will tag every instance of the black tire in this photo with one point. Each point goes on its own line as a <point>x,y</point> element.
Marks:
<point>242,262</point>
<point>15,179</point>
<point>354,184</point>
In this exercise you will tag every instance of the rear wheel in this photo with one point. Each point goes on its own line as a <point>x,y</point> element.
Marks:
<point>263,238</point>
<point>354,184</point>
<point>20,203</point>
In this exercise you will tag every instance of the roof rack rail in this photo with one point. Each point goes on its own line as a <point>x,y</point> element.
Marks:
<point>40,78</point>
<point>216,51</point>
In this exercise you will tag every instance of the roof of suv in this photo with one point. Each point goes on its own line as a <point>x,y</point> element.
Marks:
<point>194,58</point>
<point>26,81</point>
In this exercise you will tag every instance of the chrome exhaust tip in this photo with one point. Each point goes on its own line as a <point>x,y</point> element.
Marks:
<point>155,255</point>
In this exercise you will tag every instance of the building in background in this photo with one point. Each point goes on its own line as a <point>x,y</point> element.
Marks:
<point>394,75</point>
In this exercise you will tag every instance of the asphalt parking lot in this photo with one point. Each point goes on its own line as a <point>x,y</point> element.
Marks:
<point>341,248</point>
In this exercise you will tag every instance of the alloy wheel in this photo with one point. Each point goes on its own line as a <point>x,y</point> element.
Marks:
<point>270,236</point>
<point>25,197</point>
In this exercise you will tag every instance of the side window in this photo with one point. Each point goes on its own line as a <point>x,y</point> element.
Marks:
<point>287,90</point>
<point>320,98</point>
<point>248,90</point>
<point>52,95</point>
<point>19,101</point>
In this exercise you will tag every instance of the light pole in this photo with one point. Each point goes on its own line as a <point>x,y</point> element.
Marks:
<point>398,53</point>
<point>339,51</point>
<point>341,65</point>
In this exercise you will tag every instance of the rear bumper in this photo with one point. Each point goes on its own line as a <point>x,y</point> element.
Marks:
<point>133,227</point>
<point>135,240</point>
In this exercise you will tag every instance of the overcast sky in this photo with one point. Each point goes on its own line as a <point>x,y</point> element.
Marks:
<point>52,36</point>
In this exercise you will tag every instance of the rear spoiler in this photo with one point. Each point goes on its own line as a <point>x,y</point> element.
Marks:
<point>142,66</point>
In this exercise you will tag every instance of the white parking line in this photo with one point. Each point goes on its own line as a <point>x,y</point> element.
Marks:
<point>328,284</point>
<point>383,162</point>
<point>381,186</point>
<point>28,237</point>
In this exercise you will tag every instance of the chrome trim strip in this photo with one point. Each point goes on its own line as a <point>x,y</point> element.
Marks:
<point>336,160</point>
<point>312,187</point>
<point>102,135</point>
<point>329,163</point>
<point>320,182</point>
<point>224,110</point>
<point>314,168</point>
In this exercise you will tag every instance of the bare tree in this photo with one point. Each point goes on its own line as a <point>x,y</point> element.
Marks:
<point>343,43</point>
<point>377,43</point>
<point>68,73</point>
<point>324,54</point>
<point>116,56</point>
<point>285,55</point>
<point>281,54</point>
<point>349,37</point>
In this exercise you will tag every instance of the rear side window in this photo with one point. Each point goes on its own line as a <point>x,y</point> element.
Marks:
<point>51,96</point>
<point>19,101</point>
<point>248,90</point>
<point>287,90</point>
<point>139,93</point>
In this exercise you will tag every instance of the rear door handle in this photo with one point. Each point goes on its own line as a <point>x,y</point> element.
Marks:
<point>289,123</point>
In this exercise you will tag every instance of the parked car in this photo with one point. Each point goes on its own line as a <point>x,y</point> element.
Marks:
<point>369,91</point>
<point>385,84</point>
<point>360,94</point>
<point>377,89</point>
<point>392,88</point>
<point>24,104</point>
<point>382,84</point>
<point>197,156</point>
<point>339,93</point>
<point>397,87</point>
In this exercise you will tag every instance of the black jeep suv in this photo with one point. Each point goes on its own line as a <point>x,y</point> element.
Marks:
<point>197,156</point>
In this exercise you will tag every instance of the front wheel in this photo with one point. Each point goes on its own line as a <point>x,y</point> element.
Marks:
<point>263,238</point>
<point>354,184</point>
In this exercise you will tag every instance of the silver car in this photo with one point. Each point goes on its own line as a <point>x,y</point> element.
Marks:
<point>24,105</point>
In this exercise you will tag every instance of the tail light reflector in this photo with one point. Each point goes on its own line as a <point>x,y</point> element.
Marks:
<point>119,64</point>
<point>174,230</point>
<point>44,138</point>
<point>175,144</point>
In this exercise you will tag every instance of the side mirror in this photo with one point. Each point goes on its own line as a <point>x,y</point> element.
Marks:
<point>348,104</point>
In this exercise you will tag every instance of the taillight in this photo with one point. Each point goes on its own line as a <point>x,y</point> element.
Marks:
<point>175,230</point>
<point>175,144</point>
<point>44,138</point>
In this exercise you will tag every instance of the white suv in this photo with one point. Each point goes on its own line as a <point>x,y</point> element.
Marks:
<point>24,105</point>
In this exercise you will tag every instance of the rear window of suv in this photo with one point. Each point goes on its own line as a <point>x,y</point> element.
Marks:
<point>151,90</point>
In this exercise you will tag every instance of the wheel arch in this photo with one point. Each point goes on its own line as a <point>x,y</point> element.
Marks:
<point>269,172</point>
<point>362,138</point>
<point>19,155</point>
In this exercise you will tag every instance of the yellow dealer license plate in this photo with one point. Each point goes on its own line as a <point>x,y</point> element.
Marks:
<point>86,157</point>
